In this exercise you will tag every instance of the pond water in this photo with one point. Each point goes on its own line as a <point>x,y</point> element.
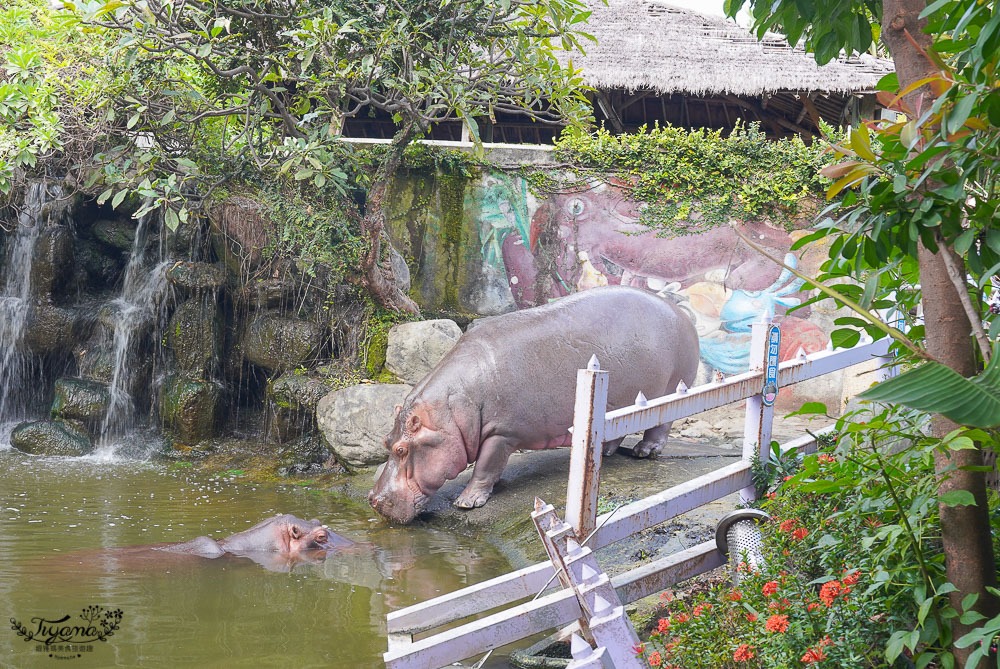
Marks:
<point>59,517</point>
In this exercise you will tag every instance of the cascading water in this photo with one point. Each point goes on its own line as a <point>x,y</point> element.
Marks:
<point>135,312</point>
<point>17,367</point>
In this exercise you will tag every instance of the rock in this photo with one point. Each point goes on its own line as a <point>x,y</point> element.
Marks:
<point>277,343</point>
<point>292,398</point>
<point>701,429</point>
<point>400,270</point>
<point>239,234</point>
<point>196,276</point>
<point>116,233</point>
<point>185,238</point>
<point>271,293</point>
<point>356,420</point>
<point>195,336</point>
<point>308,455</point>
<point>188,408</point>
<point>414,348</point>
<point>52,255</point>
<point>95,362</point>
<point>51,437</point>
<point>49,328</point>
<point>80,399</point>
<point>101,267</point>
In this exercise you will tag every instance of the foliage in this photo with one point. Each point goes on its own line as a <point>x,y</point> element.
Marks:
<point>873,488</point>
<point>200,86</point>
<point>699,177</point>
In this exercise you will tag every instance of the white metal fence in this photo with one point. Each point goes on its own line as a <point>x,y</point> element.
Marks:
<point>552,606</point>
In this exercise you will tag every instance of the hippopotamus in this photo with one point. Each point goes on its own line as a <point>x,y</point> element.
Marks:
<point>510,383</point>
<point>283,534</point>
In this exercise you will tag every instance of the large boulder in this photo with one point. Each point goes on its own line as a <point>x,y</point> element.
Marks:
<point>188,409</point>
<point>240,233</point>
<point>51,437</point>
<point>195,336</point>
<point>95,362</point>
<point>356,420</point>
<point>277,343</point>
<point>49,328</point>
<point>196,276</point>
<point>102,268</point>
<point>51,261</point>
<point>117,233</point>
<point>414,348</point>
<point>80,399</point>
<point>292,399</point>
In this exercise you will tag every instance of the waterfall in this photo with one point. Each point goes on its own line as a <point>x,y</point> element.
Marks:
<point>131,315</point>
<point>17,366</point>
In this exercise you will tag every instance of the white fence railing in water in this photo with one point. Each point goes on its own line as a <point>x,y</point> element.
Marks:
<point>537,600</point>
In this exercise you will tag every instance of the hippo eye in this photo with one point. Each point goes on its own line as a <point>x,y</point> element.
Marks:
<point>320,537</point>
<point>400,450</point>
<point>575,206</point>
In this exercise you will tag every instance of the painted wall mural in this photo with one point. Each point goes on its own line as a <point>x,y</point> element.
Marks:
<point>587,238</point>
<point>518,250</point>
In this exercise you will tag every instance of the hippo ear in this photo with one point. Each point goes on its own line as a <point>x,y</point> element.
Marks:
<point>399,407</point>
<point>295,532</point>
<point>413,423</point>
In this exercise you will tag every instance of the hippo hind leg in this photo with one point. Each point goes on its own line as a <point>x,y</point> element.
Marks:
<point>493,455</point>
<point>653,441</point>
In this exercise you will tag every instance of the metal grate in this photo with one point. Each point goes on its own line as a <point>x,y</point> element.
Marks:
<point>738,535</point>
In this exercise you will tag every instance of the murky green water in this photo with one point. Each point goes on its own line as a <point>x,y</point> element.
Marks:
<point>58,517</point>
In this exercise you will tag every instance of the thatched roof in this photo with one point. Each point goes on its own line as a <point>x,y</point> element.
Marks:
<point>650,44</point>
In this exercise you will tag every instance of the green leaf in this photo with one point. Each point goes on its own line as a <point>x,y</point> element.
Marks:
<point>103,197</point>
<point>935,388</point>
<point>895,646</point>
<point>119,196</point>
<point>957,498</point>
<point>810,408</point>
<point>170,218</point>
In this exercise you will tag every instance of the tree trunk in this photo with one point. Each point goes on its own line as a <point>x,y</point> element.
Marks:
<point>377,276</point>
<point>965,530</point>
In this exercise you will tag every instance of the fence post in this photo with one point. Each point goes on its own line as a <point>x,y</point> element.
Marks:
<point>757,424</point>
<point>588,440</point>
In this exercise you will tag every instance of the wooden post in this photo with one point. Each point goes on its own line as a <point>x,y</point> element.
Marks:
<point>588,440</point>
<point>757,424</point>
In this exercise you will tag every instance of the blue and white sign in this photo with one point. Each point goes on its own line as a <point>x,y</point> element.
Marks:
<point>770,391</point>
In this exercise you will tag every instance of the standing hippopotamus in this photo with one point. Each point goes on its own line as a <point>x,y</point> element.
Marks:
<point>510,383</point>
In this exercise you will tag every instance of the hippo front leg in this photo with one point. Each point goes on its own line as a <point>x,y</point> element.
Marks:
<point>653,441</point>
<point>493,455</point>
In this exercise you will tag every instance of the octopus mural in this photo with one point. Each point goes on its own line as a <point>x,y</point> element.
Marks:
<point>592,237</point>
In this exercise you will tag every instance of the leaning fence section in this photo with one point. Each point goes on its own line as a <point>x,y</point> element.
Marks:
<point>548,595</point>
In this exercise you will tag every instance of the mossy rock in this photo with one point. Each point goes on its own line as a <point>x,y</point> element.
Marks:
<point>292,399</point>
<point>188,408</point>
<point>117,233</point>
<point>95,362</point>
<point>196,276</point>
<point>49,329</point>
<point>195,336</point>
<point>52,260</point>
<point>51,437</point>
<point>277,343</point>
<point>101,266</point>
<point>80,399</point>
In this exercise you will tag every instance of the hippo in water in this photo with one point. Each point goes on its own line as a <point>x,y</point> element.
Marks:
<point>510,383</point>
<point>285,535</point>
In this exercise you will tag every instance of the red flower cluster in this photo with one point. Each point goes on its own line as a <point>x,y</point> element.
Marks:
<point>769,588</point>
<point>654,659</point>
<point>852,578</point>
<point>800,534</point>
<point>700,608</point>
<point>743,653</point>
<point>752,617</point>
<point>831,590</point>
<point>826,457</point>
<point>788,525</point>
<point>662,625</point>
<point>779,606</point>
<point>735,595</point>
<point>816,653</point>
<point>777,623</point>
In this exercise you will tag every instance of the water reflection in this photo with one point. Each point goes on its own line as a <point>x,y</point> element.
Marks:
<point>63,523</point>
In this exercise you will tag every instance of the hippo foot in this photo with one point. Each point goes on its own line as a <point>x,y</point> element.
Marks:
<point>472,498</point>
<point>611,446</point>
<point>645,449</point>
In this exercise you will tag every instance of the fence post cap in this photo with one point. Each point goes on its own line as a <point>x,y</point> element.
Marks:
<point>578,648</point>
<point>593,365</point>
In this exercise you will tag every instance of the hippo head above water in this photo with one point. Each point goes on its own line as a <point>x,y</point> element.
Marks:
<point>284,534</point>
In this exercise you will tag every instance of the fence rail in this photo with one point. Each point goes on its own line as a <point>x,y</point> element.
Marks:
<point>554,602</point>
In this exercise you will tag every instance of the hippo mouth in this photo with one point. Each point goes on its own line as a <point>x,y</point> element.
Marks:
<point>400,512</point>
